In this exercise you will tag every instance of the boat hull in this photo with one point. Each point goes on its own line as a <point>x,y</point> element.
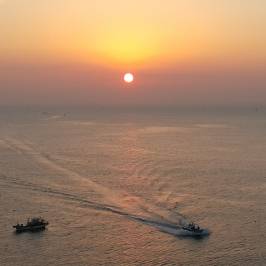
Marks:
<point>199,233</point>
<point>21,229</point>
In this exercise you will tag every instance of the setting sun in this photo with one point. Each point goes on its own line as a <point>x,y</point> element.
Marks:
<point>128,77</point>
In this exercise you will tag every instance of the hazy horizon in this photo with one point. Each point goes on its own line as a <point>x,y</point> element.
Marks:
<point>135,129</point>
<point>181,53</point>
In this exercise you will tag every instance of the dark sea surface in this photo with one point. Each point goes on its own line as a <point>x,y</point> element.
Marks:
<point>114,183</point>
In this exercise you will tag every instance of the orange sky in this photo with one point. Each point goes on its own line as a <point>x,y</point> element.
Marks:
<point>76,51</point>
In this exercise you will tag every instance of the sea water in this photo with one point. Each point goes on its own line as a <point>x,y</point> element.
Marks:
<point>115,184</point>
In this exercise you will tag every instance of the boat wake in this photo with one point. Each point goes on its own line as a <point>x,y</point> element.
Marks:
<point>119,202</point>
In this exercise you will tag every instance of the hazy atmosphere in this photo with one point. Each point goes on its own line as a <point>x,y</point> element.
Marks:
<point>75,52</point>
<point>132,132</point>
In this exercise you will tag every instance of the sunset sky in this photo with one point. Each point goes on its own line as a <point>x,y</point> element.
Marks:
<point>180,52</point>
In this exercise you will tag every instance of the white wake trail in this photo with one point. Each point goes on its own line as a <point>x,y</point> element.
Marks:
<point>128,205</point>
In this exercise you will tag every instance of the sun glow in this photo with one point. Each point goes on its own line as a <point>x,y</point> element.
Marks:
<point>128,77</point>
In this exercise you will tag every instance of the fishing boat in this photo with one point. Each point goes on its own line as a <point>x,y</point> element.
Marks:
<point>33,224</point>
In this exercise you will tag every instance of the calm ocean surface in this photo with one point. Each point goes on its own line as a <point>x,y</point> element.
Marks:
<point>112,183</point>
